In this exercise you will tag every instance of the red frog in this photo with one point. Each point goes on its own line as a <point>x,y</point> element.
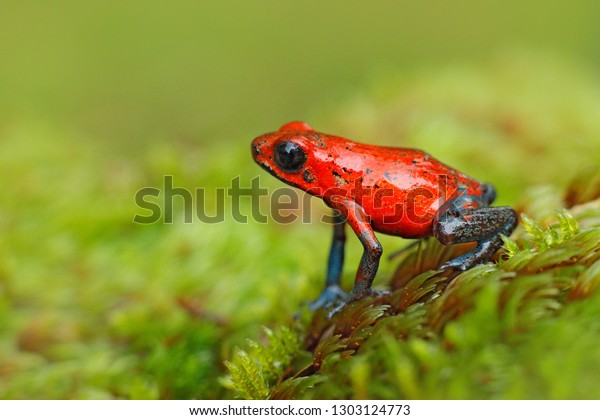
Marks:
<point>395,191</point>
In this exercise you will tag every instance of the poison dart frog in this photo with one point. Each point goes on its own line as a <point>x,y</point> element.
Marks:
<point>396,191</point>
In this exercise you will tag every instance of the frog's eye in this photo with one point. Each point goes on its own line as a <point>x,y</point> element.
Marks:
<point>289,156</point>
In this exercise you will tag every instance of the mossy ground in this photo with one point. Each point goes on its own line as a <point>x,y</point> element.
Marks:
<point>95,306</point>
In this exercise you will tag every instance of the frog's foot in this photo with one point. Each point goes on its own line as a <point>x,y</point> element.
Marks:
<point>482,253</point>
<point>331,295</point>
<point>354,297</point>
<point>336,309</point>
<point>358,295</point>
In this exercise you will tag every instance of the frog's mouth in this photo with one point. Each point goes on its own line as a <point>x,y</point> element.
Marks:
<point>259,156</point>
<point>267,167</point>
<point>255,150</point>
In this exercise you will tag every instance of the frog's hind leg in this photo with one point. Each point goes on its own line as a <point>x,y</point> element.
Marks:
<point>468,219</point>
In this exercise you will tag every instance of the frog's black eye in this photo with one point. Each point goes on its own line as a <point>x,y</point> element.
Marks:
<point>289,156</point>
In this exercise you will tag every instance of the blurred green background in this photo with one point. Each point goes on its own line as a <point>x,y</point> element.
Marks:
<point>130,72</point>
<point>100,99</point>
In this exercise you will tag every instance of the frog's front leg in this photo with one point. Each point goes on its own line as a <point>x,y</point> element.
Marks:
<point>358,220</point>
<point>455,223</point>
<point>332,292</point>
<point>369,262</point>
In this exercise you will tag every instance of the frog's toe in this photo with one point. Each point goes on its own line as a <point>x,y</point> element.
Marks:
<point>378,293</point>
<point>336,309</point>
<point>370,292</point>
<point>456,264</point>
<point>329,296</point>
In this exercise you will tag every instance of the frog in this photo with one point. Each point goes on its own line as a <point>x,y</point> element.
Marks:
<point>396,191</point>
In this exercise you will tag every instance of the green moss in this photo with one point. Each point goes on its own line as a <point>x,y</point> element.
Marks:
<point>254,375</point>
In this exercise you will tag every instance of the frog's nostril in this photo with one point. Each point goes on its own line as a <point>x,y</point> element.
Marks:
<point>255,150</point>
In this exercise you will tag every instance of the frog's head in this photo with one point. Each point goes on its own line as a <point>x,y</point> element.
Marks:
<point>287,153</point>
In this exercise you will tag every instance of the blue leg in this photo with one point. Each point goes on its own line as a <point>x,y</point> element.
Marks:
<point>335,263</point>
<point>332,292</point>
